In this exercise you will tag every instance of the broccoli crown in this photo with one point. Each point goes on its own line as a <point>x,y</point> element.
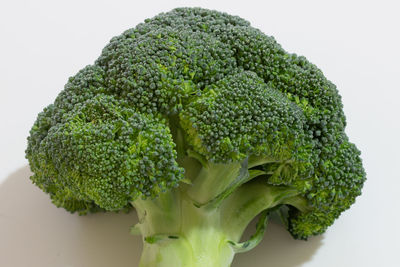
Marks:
<point>110,136</point>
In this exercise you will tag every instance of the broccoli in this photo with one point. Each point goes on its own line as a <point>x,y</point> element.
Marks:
<point>200,123</point>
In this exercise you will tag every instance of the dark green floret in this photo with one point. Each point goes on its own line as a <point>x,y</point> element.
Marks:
<point>200,123</point>
<point>264,123</point>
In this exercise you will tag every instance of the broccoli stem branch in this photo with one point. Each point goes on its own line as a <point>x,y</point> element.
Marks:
<point>213,180</point>
<point>248,201</point>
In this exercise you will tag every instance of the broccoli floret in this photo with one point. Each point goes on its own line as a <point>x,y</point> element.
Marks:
<point>199,122</point>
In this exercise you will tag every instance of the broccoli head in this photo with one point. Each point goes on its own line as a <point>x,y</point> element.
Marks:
<point>199,122</point>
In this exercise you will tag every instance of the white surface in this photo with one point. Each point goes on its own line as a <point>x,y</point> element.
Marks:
<point>355,43</point>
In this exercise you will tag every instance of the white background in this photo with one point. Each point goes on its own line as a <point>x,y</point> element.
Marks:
<point>355,43</point>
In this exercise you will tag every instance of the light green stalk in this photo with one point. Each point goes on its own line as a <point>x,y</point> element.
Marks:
<point>194,238</point>
<point>200,224</point>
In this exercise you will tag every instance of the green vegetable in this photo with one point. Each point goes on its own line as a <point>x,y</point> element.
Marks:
<point>200,123</point>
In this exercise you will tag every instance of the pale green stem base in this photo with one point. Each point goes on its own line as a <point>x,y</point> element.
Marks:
<point>191,237</point>
<point>200,248</point>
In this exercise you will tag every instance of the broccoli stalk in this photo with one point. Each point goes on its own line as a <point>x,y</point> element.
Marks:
<point>177,233</point>
<point>200,123</point>
<point>200,223</point>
